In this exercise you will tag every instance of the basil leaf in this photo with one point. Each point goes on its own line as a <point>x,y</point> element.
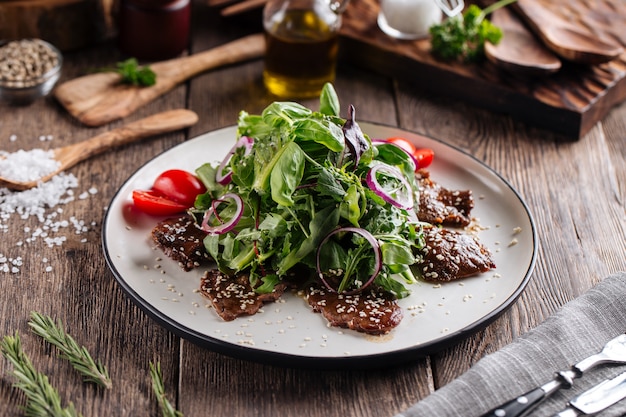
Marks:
<point>393,155</point>
<point>321,131</point>
<point>287,174</point>
<point>396,251</point>
<point>329,102</point>
<point>280,113</point>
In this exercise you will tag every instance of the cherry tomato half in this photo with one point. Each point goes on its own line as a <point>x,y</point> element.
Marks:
<point>423,156</point>
<point>152,203</point>
<point>179,186</point>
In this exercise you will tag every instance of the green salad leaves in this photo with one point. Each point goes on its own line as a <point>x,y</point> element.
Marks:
<point>299,176</point>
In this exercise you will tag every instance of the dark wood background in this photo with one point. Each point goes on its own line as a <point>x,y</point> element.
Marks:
<point>569,102</point>
<point>575,190</point>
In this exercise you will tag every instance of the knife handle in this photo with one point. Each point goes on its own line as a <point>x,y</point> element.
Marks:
<point>519,405</point>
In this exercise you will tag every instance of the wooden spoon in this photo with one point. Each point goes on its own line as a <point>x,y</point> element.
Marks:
<point>70,155</point>
<point>99,98</point>
<point>242,7</point>
<point>519,51</point>
<point>563,38</point>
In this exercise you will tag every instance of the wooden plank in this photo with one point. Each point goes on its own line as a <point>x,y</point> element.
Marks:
<point>570,102</point>
<point>67,24</point>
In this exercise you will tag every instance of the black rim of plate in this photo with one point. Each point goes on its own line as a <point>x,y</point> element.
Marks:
<point>370,361</point>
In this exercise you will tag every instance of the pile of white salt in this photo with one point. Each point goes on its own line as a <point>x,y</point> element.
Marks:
<point>40,210</point>
<point>24,166</point>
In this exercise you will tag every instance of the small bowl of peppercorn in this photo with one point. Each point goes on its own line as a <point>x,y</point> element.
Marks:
<point>29,69</point>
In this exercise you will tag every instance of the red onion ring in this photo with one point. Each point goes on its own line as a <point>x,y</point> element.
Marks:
<point>226,226</point>
<point>378,257</point>
<point>245,141</point>
<point>376,142</point>
<point>372,182</point>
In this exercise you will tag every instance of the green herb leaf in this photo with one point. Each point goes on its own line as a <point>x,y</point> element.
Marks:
<point>463,36</point>
<point>134,74</point>
<point>304,177</point>
<point>43,399</point>
<point>287,174</point>
<point>167,409</point>
<point>78,356</point>
<point>329,102</point>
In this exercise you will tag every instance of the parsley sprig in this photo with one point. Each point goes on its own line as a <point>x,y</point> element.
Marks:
<point>463,36</point>
<point>133,73</point>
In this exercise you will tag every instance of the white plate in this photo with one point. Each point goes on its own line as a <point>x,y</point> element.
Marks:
<point>288,332</point>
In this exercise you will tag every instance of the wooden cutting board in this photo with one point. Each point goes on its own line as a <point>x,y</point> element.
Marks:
<point>569,102</point>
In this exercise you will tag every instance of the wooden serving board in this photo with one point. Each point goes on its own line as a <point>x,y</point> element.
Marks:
<point>569,102</point>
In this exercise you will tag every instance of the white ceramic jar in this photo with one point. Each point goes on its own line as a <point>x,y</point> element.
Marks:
<point>408,19</point>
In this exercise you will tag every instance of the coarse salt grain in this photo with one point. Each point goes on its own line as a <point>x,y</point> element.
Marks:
<point>27,165</point>
<point>43,204</point>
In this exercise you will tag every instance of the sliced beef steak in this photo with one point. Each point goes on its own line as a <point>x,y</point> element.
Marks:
<point>180,239</point>
<point>233,296</point>
<point>449,255</point>
<point>438,205</point>
<point>371,311</point>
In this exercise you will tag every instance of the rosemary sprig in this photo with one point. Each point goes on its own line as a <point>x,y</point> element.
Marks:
<point>78,356</point>
<point>43,398</point>
<point>167,409</point>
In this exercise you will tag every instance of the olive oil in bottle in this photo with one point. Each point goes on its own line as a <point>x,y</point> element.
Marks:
<point>302,44</point>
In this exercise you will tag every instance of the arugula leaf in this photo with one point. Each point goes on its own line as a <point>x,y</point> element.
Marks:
<point>322,222</point>
<point>327,185</point>
<point>269,282</point>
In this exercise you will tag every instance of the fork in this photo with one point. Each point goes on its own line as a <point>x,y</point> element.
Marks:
<point>613,352</point>
<point>450,7</point>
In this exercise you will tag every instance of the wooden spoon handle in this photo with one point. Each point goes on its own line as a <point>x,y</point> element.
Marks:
<point>180,69</point>
<point>167,121</point>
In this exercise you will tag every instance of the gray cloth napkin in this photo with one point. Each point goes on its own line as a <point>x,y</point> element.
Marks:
<point>579,329</point>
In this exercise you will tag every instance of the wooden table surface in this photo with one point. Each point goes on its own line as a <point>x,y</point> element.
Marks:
<point>576,192</point>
